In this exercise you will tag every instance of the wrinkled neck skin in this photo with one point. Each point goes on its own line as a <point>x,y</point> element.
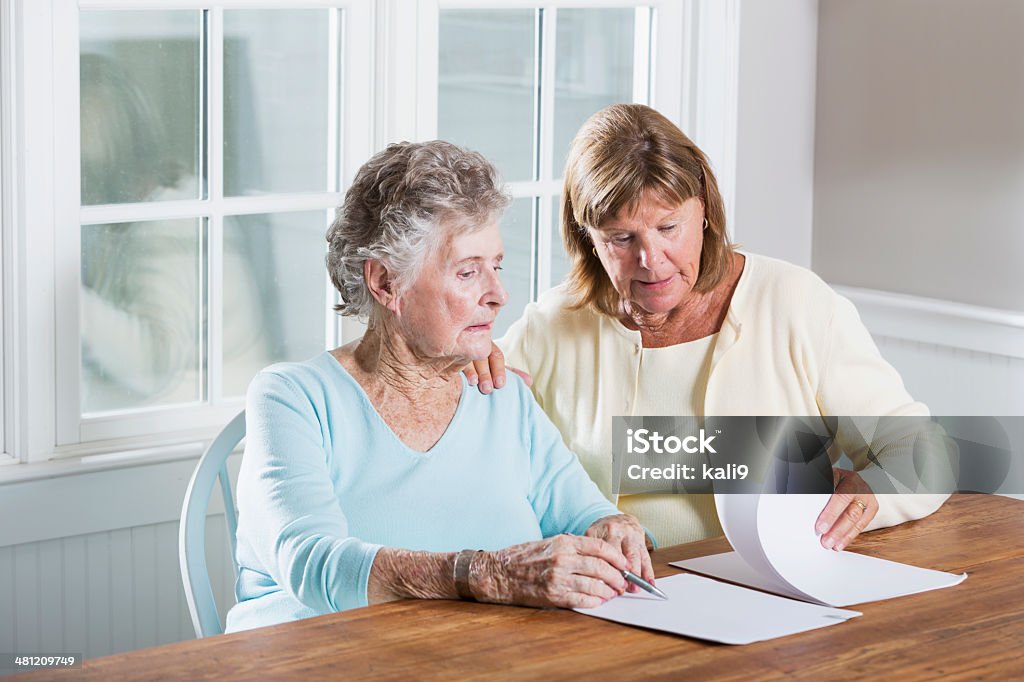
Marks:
<point>391,365</point>
<point>693,318</point>
<point>694,307</point>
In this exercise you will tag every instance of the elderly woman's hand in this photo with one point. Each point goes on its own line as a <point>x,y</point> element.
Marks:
<point>848,512</point>
<point>489,373</point>
<point>568,571</point>
<point>625,533</point>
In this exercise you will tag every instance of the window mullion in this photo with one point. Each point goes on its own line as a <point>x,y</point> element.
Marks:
<point>642,26</point>
<point>367,78</point>
<point>334,114</point>
<point>335,124</point>
<point>214,38</point>
<point>546,122</point>
<point>532,188</point>
<point>192,208</point>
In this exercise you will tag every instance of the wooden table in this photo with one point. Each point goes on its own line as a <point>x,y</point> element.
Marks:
<point>972,631</point>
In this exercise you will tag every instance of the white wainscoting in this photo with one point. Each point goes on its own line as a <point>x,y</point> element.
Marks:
<point>956,381</point>
<point>103,593</point>
<point>958,359</point>
<point>110,582</point>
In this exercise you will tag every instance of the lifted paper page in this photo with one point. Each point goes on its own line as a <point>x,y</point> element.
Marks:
<point>781,534</point>
<point>786,528</point>
<point>738,516</point>
<point>708,609</point>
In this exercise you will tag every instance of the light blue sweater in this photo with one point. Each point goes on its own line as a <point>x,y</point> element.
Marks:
<point>325,483</point>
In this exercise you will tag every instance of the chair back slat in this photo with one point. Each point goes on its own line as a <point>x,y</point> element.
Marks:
<point>230,518</point>
<point>192,530</point>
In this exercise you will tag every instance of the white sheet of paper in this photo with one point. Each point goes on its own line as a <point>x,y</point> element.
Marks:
<point>781,533</point>
<point>786,527</point>
<point>707,609</point>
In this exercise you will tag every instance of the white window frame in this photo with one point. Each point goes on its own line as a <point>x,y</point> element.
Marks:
<point>54,427</point>
<point>391,94</point>
<point>689,44</point>
<point>30,300</point>
<point>6,204</point>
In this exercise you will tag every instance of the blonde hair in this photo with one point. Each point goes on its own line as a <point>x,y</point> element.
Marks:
<point>621,152</point>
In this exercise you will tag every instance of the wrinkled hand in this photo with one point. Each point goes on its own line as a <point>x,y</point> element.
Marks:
<point>625,533</point>
<point>568,571</point>
<point>848,512</point>
<point>489,373</point>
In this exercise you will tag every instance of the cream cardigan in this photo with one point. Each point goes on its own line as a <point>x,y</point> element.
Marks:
<point>789,345</point>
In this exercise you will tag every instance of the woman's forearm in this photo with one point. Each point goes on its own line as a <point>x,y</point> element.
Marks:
<point>408,574</point>
<point>404,573</point>
<point>567,571</point>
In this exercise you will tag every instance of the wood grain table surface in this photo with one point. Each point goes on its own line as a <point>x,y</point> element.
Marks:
<point>972,631</point>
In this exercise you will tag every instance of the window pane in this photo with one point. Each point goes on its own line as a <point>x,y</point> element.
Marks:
<point>142,327</point>
<point>275,292</point>
<point>275,101</point>
<point>593,68</point>
<point>140,106</point>
<point>559,260</point>
<point>487,86</point>
<point>516,275</point>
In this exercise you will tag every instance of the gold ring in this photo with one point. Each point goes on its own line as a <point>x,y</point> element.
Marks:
<point>863,507</point>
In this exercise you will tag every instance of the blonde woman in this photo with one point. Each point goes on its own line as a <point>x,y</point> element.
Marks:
<point>661,315</point>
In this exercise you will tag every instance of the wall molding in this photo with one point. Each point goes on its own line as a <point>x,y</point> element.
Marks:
<point>941,323</point>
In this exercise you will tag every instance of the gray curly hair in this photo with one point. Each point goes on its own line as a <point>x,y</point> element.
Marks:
<point>393,213</point>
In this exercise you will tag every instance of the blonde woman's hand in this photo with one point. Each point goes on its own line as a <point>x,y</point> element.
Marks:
<point>848,512</point>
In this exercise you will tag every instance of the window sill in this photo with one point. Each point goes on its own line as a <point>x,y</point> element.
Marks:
<point>58,466</point>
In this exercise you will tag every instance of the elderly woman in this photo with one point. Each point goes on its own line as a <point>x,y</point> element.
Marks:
<point>661,315</point>
<point>369,467</point>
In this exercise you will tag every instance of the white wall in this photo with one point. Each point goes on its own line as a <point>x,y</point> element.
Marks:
<point>841,108</point>
<point>775,128</point>
<point>919,189</point>
<point>919,176</point>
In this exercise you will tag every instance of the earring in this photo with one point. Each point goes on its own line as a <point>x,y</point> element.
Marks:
<point>705,222</point>
<point>593,250</point>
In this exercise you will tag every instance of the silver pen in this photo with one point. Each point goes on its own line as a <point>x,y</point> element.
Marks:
<point>643,584</point>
